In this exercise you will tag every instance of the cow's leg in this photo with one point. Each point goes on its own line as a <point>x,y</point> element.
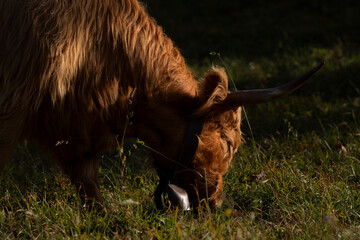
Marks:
<point>6,150</point>
<point>84,175</point>
<point>10,131</point>
<point>83,171</point>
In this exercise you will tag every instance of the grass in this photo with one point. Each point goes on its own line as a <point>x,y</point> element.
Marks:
<point>298,178</point>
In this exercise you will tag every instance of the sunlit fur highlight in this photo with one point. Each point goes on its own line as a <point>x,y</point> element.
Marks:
<point>56,43</point>
<point>66,72</point>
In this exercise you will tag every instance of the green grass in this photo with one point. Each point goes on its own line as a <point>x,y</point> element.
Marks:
<point>298,178</point>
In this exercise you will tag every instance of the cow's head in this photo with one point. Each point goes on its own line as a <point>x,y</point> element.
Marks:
<point>196,150</point>
<point>212,137</point>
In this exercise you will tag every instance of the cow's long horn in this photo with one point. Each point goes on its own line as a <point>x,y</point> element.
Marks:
<point>248,97</point>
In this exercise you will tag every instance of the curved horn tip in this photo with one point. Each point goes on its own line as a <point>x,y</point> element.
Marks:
<point>248,97</point>
<point>320,65</point>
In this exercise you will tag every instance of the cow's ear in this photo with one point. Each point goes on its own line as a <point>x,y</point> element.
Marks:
<point>213,90</point>
<point>214,83</point>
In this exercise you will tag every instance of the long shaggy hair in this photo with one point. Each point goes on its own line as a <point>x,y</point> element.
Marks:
<point>67,69</point>
<point>90,50</point>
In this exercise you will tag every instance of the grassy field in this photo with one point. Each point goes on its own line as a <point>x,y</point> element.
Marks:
<point>296,177</point>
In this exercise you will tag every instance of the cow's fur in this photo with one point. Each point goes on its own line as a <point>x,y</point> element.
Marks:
<point>67,69</point>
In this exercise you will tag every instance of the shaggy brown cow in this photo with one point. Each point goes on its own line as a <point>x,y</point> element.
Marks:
<point>67,70</point>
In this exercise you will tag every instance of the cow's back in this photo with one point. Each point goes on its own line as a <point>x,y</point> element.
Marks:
<point>42,48</point>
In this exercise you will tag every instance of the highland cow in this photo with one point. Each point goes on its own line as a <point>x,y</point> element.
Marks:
<point>76,71</point>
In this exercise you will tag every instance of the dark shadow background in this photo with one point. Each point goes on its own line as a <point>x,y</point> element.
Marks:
<point>256,28</point>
